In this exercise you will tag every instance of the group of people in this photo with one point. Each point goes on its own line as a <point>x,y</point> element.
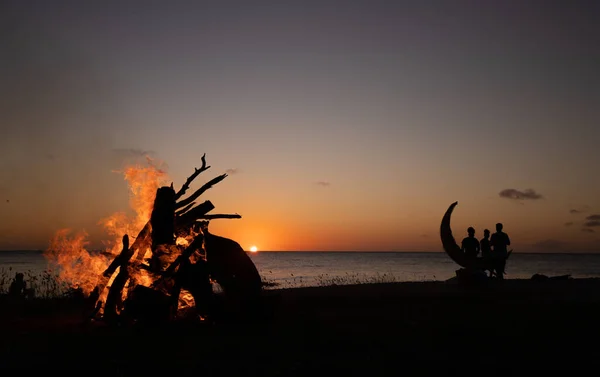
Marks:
<point>494,249</point>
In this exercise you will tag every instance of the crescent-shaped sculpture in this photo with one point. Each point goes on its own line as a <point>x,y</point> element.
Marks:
<point>454,251</point>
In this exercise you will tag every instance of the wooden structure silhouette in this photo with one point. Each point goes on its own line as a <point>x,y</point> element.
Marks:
<point>174,267</point>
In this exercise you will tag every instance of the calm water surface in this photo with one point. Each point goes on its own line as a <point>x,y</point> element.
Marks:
<point>296,269</point>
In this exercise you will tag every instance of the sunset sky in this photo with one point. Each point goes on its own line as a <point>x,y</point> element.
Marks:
<point>344,125</point>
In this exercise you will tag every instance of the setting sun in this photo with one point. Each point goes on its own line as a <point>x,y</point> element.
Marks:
<point>253,249</point>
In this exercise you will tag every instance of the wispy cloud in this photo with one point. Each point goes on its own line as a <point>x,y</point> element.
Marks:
<point>591,224</point>
<point>323,183</point>
<point>133,152</point>
<point>568,223</point>
<point>588,230</point>
<point>514,194</point>
<point>232,171</point>
<point>593,218</point>
<point>582,209</point>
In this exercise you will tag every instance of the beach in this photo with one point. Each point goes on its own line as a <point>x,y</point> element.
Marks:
<point>513,327</point>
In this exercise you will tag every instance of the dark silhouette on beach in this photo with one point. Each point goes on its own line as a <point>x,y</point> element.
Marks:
<point>470,245</point>
<point>486,249</point>
<point>499,243</point>
<point>18,287</point>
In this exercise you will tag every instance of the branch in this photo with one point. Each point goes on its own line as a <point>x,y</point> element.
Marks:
<point>186,185</point>
<point>121,260</point>
<point>199,192</point>
<point>187,208</point>
<point>220,216</point>
<point>186,220</point>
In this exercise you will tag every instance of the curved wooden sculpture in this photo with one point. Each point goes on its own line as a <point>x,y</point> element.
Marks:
<point>454,251</point>
<point>230,266</point>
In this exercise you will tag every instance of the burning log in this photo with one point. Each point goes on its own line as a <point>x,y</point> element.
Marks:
<point>115,293</point>
<point>120,260</point>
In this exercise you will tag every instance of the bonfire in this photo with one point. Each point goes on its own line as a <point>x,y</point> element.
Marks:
<point>172,263</point>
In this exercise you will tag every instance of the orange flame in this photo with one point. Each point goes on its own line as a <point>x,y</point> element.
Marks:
<point>81,268</point>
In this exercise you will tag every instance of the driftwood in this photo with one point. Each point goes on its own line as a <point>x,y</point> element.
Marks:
<point>115,293</point>
<point>230,266</point>
<point>94,306</point>
<point>228,262</point>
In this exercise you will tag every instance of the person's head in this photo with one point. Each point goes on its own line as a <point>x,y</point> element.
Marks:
<point>499,227</point>
<point>471,231</point>
<point>486,233</point>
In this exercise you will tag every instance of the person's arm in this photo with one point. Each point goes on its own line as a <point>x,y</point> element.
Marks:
<point>478,245</point>
<point>507,240</point>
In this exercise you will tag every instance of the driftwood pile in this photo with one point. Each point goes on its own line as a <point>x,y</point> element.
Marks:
<point>174,267</point>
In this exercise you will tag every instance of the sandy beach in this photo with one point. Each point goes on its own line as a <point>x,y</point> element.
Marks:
<point>515,327</point>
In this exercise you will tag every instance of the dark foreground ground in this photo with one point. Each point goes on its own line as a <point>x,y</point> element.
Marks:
<point>514,328</point>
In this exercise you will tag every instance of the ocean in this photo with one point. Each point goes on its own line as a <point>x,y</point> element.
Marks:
<point>303,269</point>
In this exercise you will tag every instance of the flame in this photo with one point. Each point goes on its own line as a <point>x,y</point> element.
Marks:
<point>180,241</point>
<point>80,267</point>
<point>143,182</point>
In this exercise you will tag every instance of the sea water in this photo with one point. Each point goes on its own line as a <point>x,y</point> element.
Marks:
<point>301,269</point>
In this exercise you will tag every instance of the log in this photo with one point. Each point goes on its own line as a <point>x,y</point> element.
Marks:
<point>118,261</point>
<point>187,208</point>
<point>220,216</point>
<point>142,242</point>
<point>123,257</point>
<point>186,220</point>
<point>200,191</point>
<point>162,218</point>
<point>115,293</point>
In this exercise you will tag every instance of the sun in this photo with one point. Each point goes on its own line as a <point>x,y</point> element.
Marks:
<point>253,249</point>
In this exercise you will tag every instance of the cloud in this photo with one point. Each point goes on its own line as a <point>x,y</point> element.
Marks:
<point>133,152</point>
<point>232,171</point>
<point>591,224</point>
<point>581,209</point>
<point>593,218</point>
<point>569,223</point>
<point>528,194</point>
<point>588,230</point>
<point>550,245</point>
<point>323,183</point>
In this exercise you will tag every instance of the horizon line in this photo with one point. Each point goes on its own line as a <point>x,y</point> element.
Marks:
<point>347,251</point>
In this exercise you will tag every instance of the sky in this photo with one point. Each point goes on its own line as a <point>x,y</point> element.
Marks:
<point>343,125</point>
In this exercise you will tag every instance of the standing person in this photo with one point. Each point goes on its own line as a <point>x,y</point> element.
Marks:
<point>470,244</point>
<point>499,243</point>
<point>486,250</point>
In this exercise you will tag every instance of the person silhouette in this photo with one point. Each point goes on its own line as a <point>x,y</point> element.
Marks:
<point>499,243</point>
<point>470,245</point>
<point>486,250</point>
